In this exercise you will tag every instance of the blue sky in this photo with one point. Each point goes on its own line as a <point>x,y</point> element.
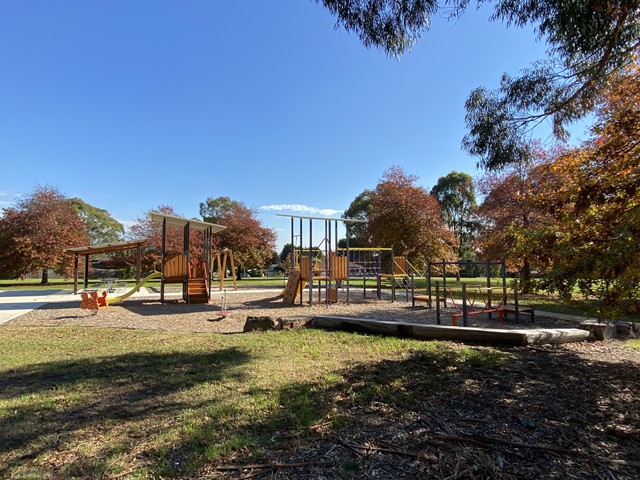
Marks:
<point>134,104</point>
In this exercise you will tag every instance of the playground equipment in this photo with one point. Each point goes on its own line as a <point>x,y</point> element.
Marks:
<point>221,259</point>
<point>92,301</point>
<point>442,265</point>
<point>306,268</point>
<point>481,302</point>
<point>334,268</point>
<point>223,310</point>
<point>135,289</point>
<point>194,274</point>
<point>102,249</point>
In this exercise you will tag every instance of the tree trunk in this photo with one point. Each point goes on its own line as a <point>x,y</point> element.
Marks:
<point>525,277</point>
<point>45,277</point>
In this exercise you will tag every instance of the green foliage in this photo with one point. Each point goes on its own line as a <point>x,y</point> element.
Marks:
<point>101,226</point>
<point>457,197</point>
<point>358,210</point>
<point>591,200</point>
<point>390,25</point>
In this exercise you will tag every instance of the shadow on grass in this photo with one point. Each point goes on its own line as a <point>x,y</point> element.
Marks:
<point>544,396</point>
<point>56,401</point>
<point>548,397</point>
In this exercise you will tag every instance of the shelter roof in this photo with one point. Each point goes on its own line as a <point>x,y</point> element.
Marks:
<point>107,247</point>
<point>181,222</point>
<point>304,217</point>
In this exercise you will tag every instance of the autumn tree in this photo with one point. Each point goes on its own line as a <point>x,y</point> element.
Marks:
<point>35,233</point>
<point>251,242</point>
<point>510,214</point>
<point>152,231</point>
<point>101,226</point>
<point>457,197</point>
<point>589,43</point>
<point>593,195</point>
<point>404,216</point>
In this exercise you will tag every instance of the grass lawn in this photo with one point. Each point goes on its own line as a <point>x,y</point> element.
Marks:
<point>129,404</point>
<point>100,403</point>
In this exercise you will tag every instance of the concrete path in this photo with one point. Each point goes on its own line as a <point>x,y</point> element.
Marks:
<point>14,303</point>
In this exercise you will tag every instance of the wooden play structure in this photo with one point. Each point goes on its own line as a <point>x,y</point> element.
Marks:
<point>450,266</point>
<point>89,250</point>
<point>316,266</point>
<point>193,273</point>
<point>220,259</point>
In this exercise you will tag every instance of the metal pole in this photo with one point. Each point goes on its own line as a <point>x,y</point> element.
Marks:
<point>310,262</point>
<point>300,261</point>
<point>86,271</point>
<point>489,287</point>
<point>75,273</point>
<point>464,305</point>
<point>504,282</point>
<point>327,249</point>
<point>428,275</point>
<point>393,278</point>
<point>185,246</point>
<point>437,302</point>
<point>348,260</point>
<point>164,258</point>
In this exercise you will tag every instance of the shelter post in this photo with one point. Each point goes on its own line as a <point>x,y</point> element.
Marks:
<point>86,271</point>
<point>75,274</point>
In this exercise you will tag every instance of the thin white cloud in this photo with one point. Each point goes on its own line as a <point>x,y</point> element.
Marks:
<point>301,209</point>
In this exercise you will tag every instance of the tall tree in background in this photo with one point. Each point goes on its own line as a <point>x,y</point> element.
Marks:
<point>589,42</point>
<point>404,216</point>
<point>457,197</point>
<point>251,242</point>
<point>34,234</point>
<point>358,210</point>
<point>101,226</point>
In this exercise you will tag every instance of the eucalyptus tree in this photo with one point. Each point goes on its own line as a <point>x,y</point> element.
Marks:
<point>589,42</point>
<point>457,197</point>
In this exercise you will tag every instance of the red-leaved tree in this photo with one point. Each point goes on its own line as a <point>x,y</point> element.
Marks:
<point>403,215</point>
<point>174,243</point>
<point>35,233</point>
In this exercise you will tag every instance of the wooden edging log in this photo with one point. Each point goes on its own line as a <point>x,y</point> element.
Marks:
<point>492,336</point>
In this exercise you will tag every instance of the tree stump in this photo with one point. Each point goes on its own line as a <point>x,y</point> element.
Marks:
<point>260,324</point>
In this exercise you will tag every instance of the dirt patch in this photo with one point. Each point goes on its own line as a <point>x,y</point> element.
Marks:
<point>149,314</point>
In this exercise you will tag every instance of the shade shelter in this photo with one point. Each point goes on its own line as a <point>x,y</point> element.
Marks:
<point>89,250</point>
<point>180,269</point>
